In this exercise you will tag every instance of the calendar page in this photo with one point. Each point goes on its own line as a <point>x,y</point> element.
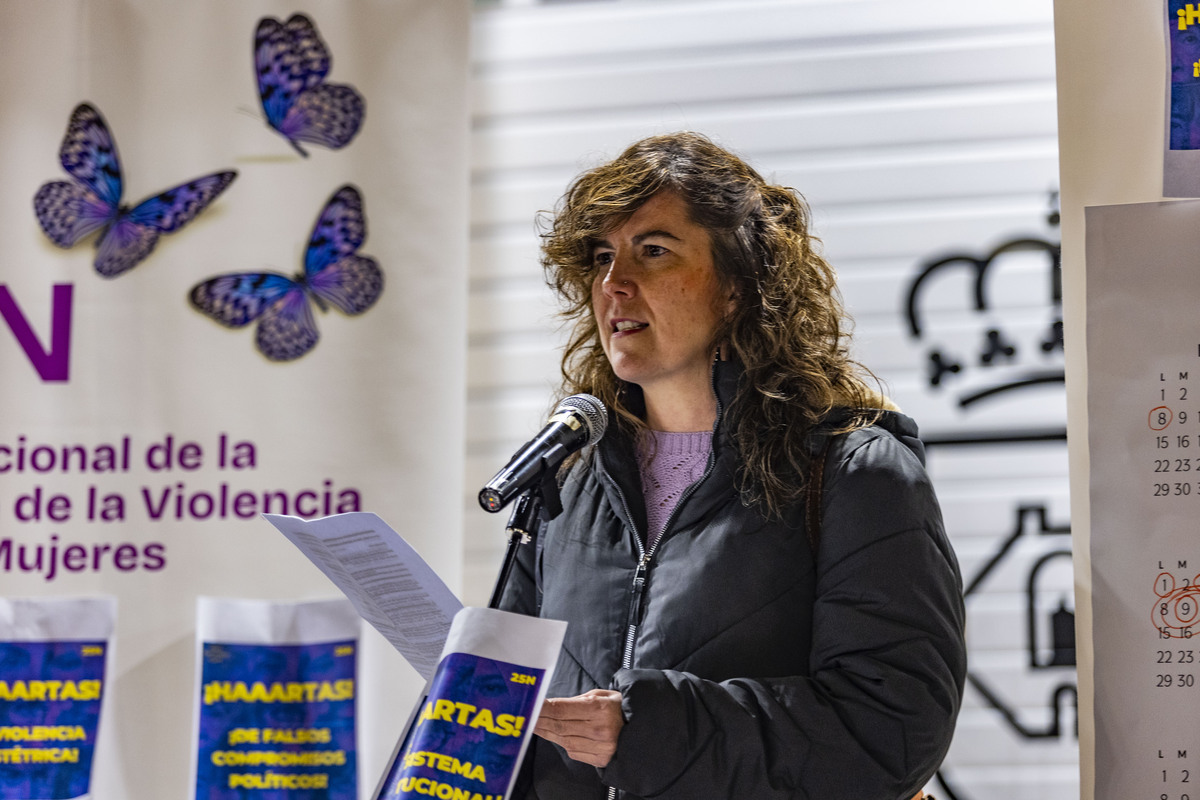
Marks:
<point>1143,344</point>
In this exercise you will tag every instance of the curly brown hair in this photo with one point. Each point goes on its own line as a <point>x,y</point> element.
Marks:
<point>788,329</point>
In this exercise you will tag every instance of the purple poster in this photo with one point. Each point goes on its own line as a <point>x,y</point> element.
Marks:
<point>277,722</point>
<point>50,696</point>
<point>466,740</point>
<point>1183,36</point>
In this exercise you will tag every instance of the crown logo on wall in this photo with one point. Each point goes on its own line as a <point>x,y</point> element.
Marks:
<point>1004,341</point>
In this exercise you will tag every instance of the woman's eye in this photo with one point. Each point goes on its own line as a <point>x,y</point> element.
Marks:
<point>654,250</point>
<point>602,259</point>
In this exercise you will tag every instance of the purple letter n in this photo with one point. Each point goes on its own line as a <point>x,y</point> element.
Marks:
<point>54,365</point>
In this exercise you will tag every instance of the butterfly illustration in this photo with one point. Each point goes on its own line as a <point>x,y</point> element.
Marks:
<point>291,62</point>
<point>334,274</point>
<point>70,210</point>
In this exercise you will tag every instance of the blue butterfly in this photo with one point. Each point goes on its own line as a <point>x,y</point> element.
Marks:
<point>291,62</point>
<point>70,210</point>
<point>334,274</point>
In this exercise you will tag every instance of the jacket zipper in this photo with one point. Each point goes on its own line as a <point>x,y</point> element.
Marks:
<point>645,556</point>
<point>637,589</point>
<point>638,586</point>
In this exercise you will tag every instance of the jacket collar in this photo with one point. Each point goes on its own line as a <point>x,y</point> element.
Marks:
<point>618,466</point>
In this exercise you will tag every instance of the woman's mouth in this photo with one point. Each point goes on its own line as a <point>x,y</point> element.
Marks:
<point>626,325</point>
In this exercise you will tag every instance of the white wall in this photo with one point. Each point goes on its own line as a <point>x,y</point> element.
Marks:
<point>916,130</point>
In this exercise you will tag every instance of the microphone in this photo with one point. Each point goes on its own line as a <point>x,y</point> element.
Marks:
<point>578,421</point>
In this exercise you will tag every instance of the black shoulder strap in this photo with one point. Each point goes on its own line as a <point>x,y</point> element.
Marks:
<point>812,497</point>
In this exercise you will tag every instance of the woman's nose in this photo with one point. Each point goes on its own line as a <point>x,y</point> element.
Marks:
<point>618,279</point>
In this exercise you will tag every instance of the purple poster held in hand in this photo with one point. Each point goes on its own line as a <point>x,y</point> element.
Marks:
<point>467,738</point>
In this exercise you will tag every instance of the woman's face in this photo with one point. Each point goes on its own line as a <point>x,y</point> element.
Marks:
<point>658,301</point>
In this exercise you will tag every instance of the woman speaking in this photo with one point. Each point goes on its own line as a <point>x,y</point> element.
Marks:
<point>760,596</point>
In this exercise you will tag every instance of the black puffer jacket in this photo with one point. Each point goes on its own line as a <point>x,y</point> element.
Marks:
<point>752,672</point>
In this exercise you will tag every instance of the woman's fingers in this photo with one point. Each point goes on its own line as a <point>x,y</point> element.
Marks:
<point>586,726</point>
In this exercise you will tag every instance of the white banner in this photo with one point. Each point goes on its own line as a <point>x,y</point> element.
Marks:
<point>173,170</point>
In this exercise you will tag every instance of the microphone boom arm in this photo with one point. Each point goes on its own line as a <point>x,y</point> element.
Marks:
<point>523,522</point>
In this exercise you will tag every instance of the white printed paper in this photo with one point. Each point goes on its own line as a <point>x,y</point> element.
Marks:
<point>383,576</point>
<point>1143,290</point>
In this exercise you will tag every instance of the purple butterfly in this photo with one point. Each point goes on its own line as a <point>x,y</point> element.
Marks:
<point>70,210</point>
<point>333,275</point>
<point>291,62</point>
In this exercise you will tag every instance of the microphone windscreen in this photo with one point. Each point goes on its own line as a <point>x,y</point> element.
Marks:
<point>594,414</point>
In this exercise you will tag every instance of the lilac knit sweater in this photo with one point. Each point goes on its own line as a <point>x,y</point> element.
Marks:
<point>669,463</point>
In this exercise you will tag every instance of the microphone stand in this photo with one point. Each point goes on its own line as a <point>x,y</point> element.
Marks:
<point>522,524</point>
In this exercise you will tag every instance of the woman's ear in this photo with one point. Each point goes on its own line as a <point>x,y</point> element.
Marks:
<point>732,303</point>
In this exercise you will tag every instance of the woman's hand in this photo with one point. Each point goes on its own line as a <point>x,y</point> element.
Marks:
<point>586,726</point>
